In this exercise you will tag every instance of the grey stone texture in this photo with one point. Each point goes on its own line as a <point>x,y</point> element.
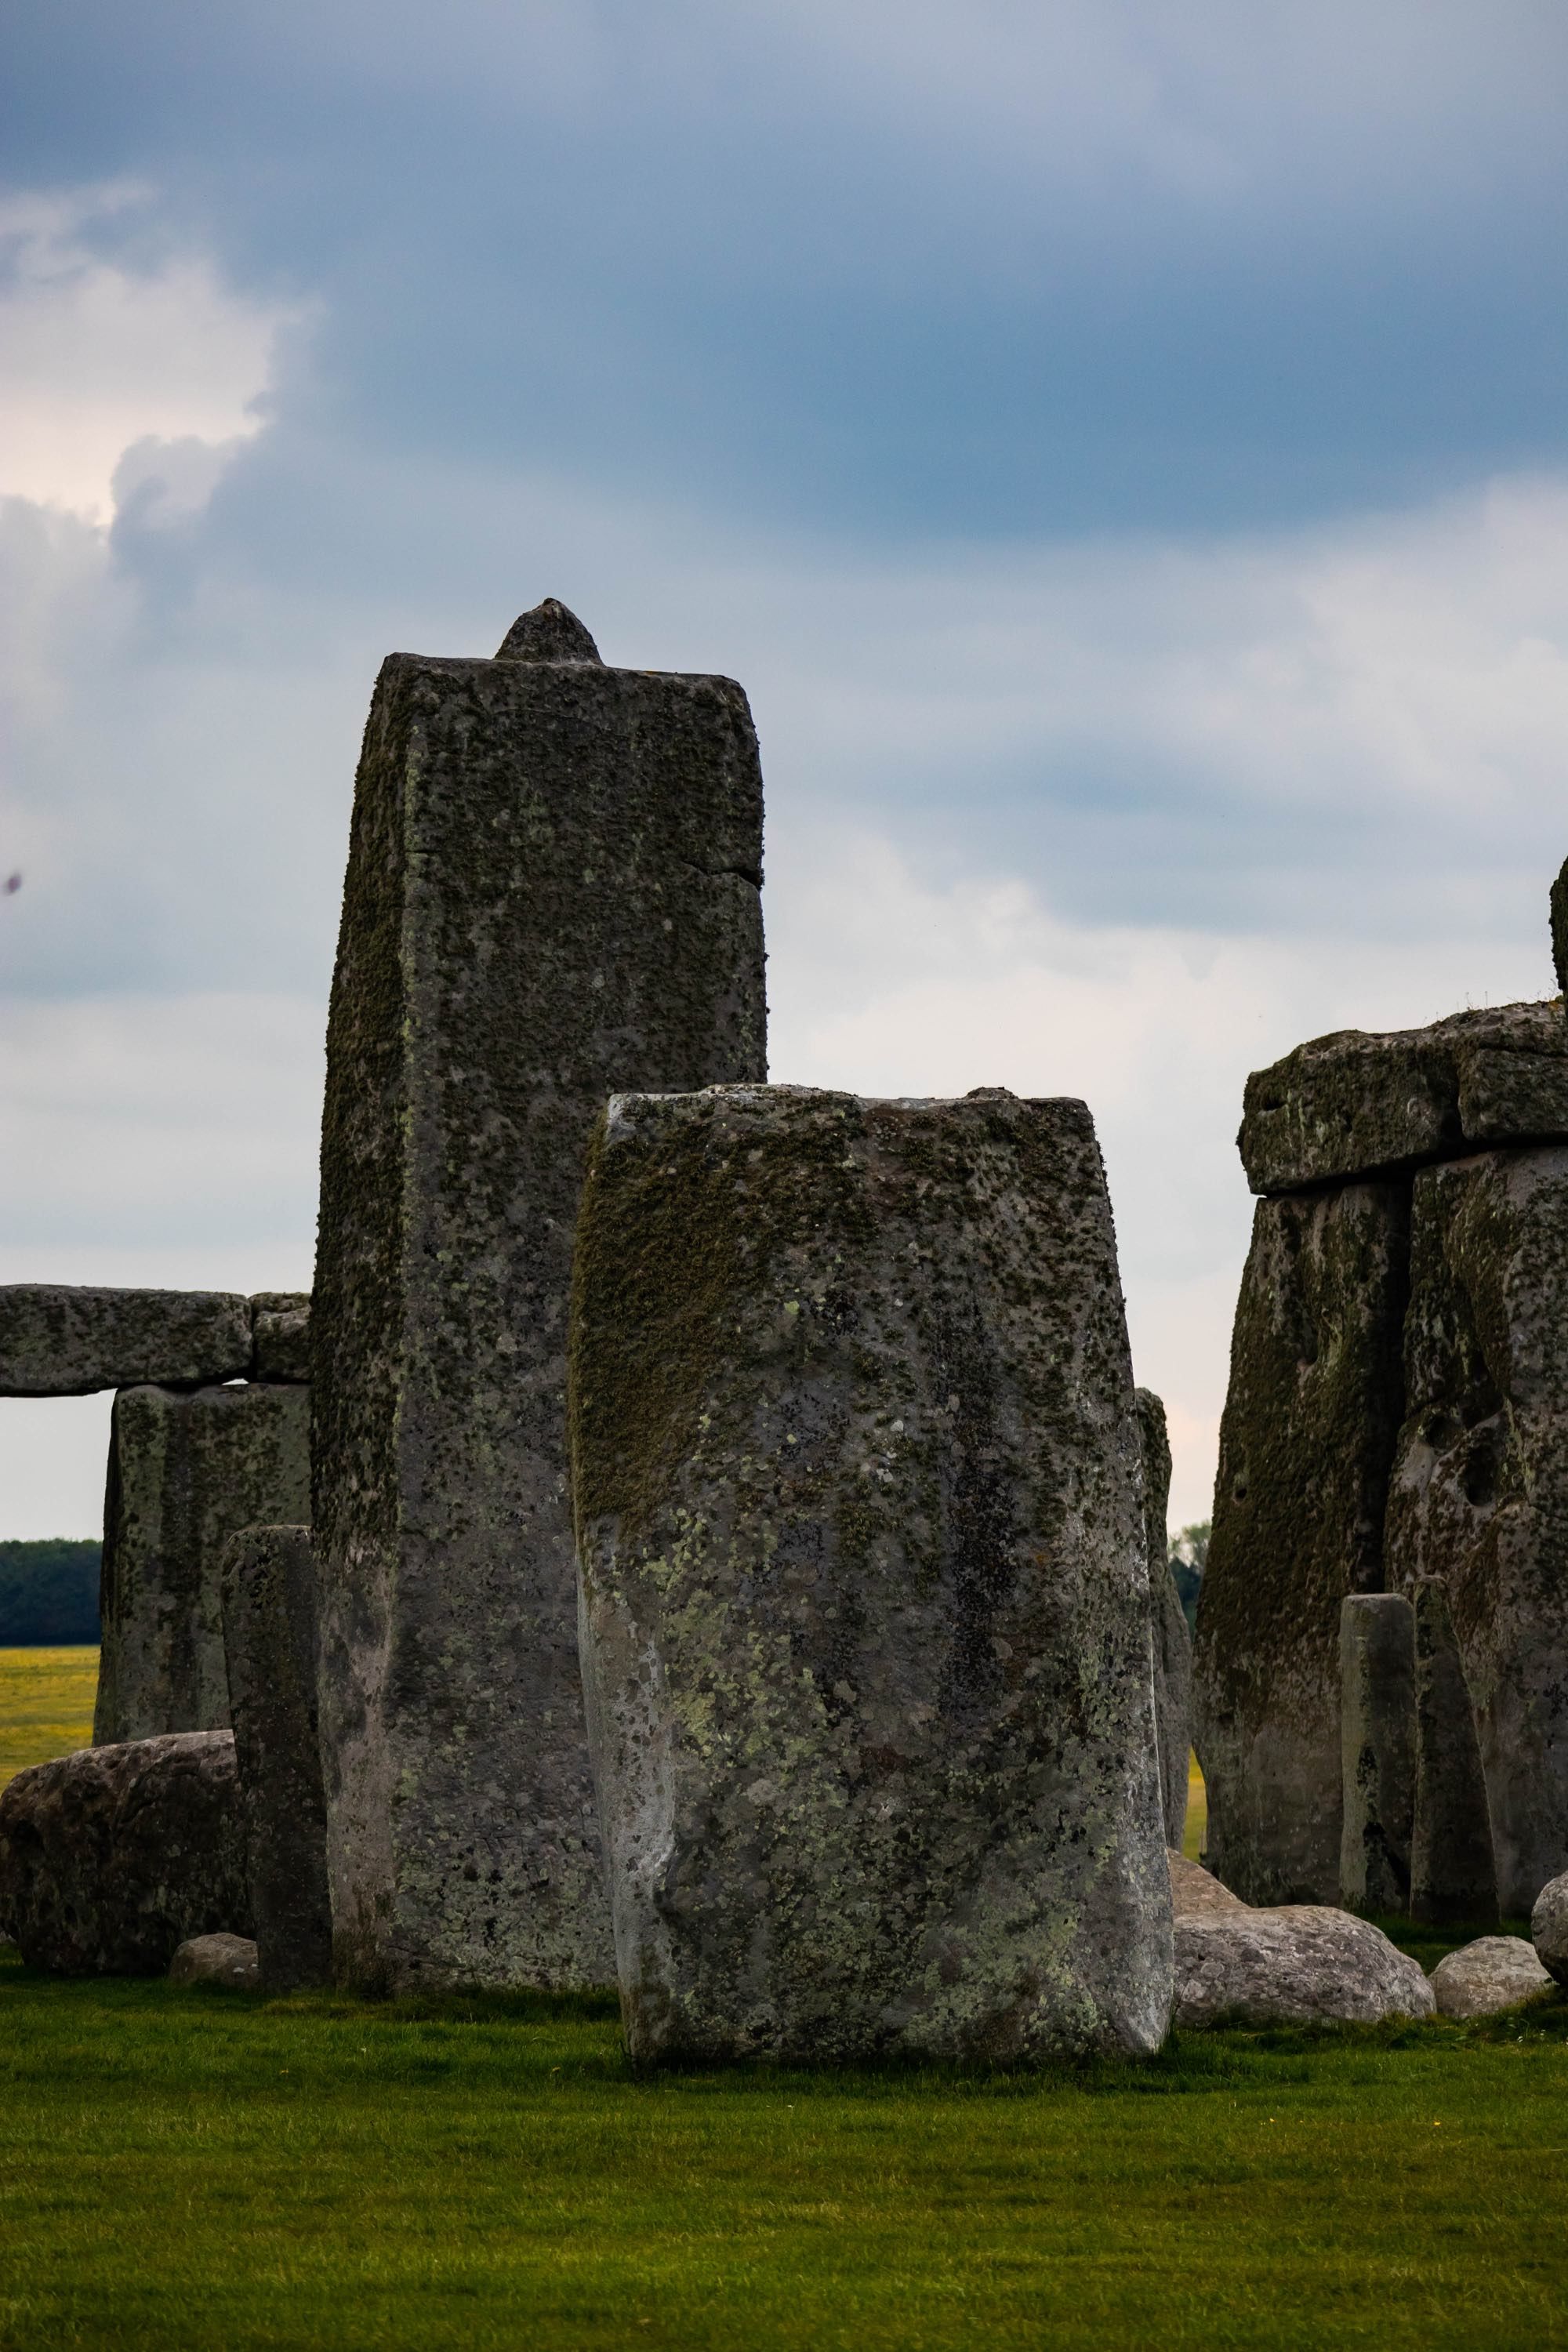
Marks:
<point>1479,1492</point>
<point>220,1959</point>
<point>1560,933</point>
<point>553,892</point>
<point>112,1857</point>
<point>1453,1874</point>
<point>270,1624</point>
<point>1195,1892</point>
<point>1377,1749</point>
<point>1496,1972</point>
<point>1548,1928</point>
<point>1170,1644</point>
<point>187,1468</point>
<point>864,1593</point>
<point>1359,1103</point>
<point>64,1340</point>
<point>281,1328</point>
<point>1305,1444</point>
<point>1298,1964</point>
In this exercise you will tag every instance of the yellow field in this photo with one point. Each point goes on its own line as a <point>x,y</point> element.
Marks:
<point>46,1704</point>
<point>1197,1812</point>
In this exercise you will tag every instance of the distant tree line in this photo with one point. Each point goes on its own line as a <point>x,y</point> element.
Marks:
<point>49,1591</point>
<point>1189,1552</point>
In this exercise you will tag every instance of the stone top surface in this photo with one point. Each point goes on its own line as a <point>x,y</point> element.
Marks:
<point>550,632</point>
<point>1364,1103</point>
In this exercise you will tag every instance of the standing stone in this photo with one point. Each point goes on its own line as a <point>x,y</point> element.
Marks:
<point>62,1338</point>
<point>1304,1454</point>
<point>1377,1749</point>
<point>186,1469</point>
<point>1452,1872</point>
<point>864,1594</point>
<point>1479,1495</point>
<point>269,1636</point>
<point>553,892</point>
<point>1170,1642</point>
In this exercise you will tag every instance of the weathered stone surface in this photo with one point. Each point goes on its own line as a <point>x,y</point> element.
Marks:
<point>550,632</point>
<point>552,892</point>
<point>1170,1642</point>
<point>1479,1494</point>
<point>1548,1928</point>
<point>186,1468</point>
<point>1377,1749</point>
<point>1194,1891</point>
<point>1452,1870</point>
<point>62,1339</point>
<point>217,1960</point>
<point>270,1624</point>
<point>1304,1453</point>
<point>280,1324</point>
<point>1495,1972</point>
<point>1360,1103</point>
<point>1560,933</point>
<point>1298,1965</point>
<point>864,1594</point>
<point>112,1857</point>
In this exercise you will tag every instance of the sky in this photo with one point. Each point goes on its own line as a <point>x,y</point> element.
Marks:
<point>1122,449</point>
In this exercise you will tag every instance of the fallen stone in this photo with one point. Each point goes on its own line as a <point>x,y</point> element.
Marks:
<point>1170,1642</point>
<point>1478,1498</point>
<point>281,1328</point>
<point>112,1857</point>
<point>1495,1972</point>
<point>1301,1964</point>
<point>1357,1103</point>
<point>60,1340</point>
<point>1194,1891</point>
<point>216,1959</point>
<point>553,892</point>
<point>1548,1928</point>
<point>1377,1748</point>
<point>1453,1876</point>
<point>1306,1444</point>
<point>186,1469</point>
<point>269,1623</point>
<point>864,1605</point>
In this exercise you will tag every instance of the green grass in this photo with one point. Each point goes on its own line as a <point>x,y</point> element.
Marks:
<point>196,2168</point>
<point>46,1704</point>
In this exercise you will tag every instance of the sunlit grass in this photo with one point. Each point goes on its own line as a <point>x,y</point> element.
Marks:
<point>46,1704</point>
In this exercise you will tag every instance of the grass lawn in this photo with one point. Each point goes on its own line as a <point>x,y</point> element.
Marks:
<point>46,1704</point>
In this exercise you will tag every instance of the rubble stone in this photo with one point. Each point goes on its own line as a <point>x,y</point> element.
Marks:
<point>217,1960</point>
<point>1305,1448</point>
<point>865,1605</point>
<point>1377,1749</point>
<point>64,1340</point>
<point>1548,1928</point>
<point>1301,1964</point>
<point>553,892</point>
<point>1452,1870</point>
<point>1171,1643</point>
<point>1495,1972</point>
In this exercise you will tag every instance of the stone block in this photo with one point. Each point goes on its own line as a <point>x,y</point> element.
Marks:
<point>1195,1892</point>
<point>1377,1749</point>
<point>186,1469</point>
<point>864,1589</point>
<point>1548,1928</point>
<point>1480,1493</point>
<point>1305,1447</point>
<point>553,892</point>
<point>270,1624</point>
<point>1298,1965</point>
<point>1453,1874</point>
<point>1494,1973</point>
<point>64,1340</point>
<point>280,1328</point>
<point>229,1960</point>
<point>1171,1643</point>
<point>1360,1103</point>
<point>112,1857</point>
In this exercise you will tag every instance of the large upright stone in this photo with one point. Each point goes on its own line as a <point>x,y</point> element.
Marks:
<point>271,1638</point>
<point>60,1339</point>
<point>1453,1874</point>
<point>1479,1495</point>
<point>1170,1646</point>
<point>865,1601</point>
<point>1304,1453</point>
<point>186,1469</point>
<point>553,892</point>
<point>1377,1749</point>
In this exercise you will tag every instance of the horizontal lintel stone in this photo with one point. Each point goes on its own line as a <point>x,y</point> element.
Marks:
<point>68,1339</point>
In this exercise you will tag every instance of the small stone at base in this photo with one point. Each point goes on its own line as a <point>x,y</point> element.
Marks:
<point>216,1959</point>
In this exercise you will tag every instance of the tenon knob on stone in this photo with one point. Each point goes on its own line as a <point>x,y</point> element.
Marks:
<point>549,634</point>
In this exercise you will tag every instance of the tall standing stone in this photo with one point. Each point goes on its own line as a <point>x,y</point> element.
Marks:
<point>552,893</point>
<point>270,1624</point>
<point>1453,1874</point>
<point>186,1468</point>
<point>865,1601</point>
<point>1305,1449</point>
<point>1170,1644</point>
<point>1377,1749</point>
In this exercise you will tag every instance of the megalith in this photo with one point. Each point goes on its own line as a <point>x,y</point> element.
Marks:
<point>1453,1874</point>
<point>270,1624</point>
<point>1170,1647</point>
<point>552,893</point>
<point>1377,1749</point>
<point>187,1468</point>
<point>865,1601</point>
<point>1306,1444</point>
<point>1480,1493</point>
<point>60,1339</point>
